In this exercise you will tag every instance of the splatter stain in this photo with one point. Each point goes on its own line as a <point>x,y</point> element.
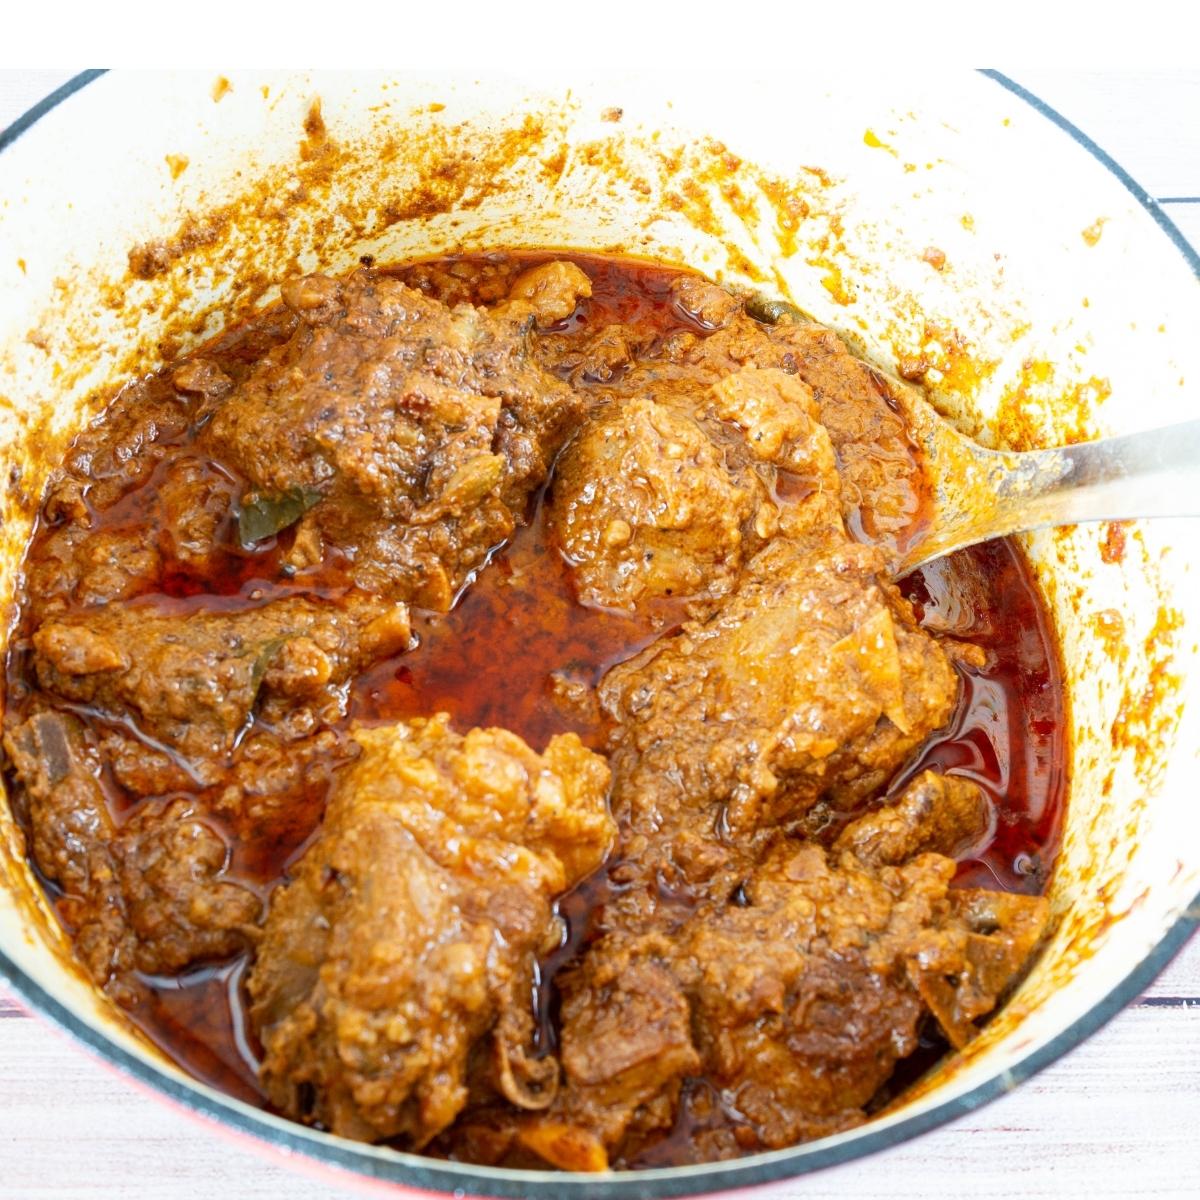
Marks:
<point>871,139</point>
<point>1112,548</point>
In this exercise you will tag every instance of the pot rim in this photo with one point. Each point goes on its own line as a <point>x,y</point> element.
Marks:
<point>411,1170</point>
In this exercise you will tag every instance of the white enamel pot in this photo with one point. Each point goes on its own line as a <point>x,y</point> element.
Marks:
<point>136,209</point>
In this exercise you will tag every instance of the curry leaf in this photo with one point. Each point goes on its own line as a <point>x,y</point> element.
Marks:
<point>771,312</point>
<point>264,655</point>
<point>260,515</point>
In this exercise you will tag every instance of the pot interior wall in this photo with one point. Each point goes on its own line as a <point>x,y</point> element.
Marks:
<point>144,208</point>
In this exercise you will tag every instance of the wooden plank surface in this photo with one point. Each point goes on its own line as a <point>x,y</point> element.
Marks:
<point>1116,1118</point>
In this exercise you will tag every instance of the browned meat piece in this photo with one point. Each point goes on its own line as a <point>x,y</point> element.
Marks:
<point>660,499</point>
<point>644,506</point>
<point>415,432</point>
<point>934,812</point>
<point>626,1046</point>
<point>802,1001</point>
<point>425,564</point>
<point>120,450</point>
<point>405,941</point>
<point>706,303</point>
<point>269,792</point>
<point>75,566</point>
<point>795,1002</point>
<point>809,676</point>
<point>191,511</point>
<point>801,1004</point>
<point>179,908</point>
<point>550,292</point>
<point>881,480</point>
<point>862,768</point>
<point>148,895</point>
<point>963,968</point>
<point>201,377</point>
<point>599,357</point>
<point>58,772</point>
<point>190,683</point>
<point>457,281</point>
<point>780,421</point>
<point>271,781</point>
<point>196,504</point>
<point>139,448</point>
<point>669,495</point>
<point>782,437</point>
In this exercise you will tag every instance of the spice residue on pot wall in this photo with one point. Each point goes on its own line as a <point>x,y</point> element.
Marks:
<point>383,177</point>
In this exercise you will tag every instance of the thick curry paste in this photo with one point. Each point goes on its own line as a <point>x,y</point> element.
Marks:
<point>721,834</point>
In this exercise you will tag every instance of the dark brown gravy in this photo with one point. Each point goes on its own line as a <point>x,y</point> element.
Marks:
<point>514,652</point>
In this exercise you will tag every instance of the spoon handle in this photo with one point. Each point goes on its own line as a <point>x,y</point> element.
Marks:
<point>1155,473</point>
<point>990,493</point>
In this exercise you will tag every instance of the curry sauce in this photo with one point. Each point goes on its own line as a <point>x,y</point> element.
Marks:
<point>593,510</point>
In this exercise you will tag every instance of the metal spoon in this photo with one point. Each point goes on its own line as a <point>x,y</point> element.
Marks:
<point>981,494</point>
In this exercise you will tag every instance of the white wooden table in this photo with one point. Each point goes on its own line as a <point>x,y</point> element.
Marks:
<point>1119,1117</point>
